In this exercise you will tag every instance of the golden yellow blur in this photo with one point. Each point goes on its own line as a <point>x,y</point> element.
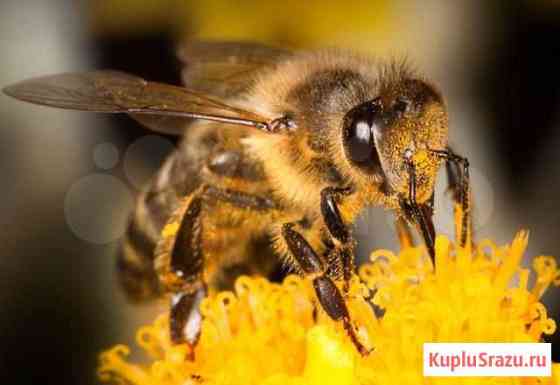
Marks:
<point>354,24</point>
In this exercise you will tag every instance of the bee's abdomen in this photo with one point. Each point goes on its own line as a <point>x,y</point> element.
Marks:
<point>135,264</point>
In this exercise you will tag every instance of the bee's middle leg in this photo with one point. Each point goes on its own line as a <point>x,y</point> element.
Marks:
<point>316,268</point>
<point>342,247</point>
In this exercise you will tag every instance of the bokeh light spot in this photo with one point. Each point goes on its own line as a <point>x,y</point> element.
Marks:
<point>144,157</point>
<point>97,208</point>
<point>105,155</point>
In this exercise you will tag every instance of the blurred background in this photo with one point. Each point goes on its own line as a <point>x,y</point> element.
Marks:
<point>69,179</point>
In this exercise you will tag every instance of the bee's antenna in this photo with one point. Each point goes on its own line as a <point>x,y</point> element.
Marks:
<point>420,214</point>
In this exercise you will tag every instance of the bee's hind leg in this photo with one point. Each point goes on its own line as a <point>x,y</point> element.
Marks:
<point>180,260</point>
<point>180,263</point>
<point>185,320</point>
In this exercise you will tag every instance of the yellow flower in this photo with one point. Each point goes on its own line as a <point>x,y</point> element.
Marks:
<point>266,333</point>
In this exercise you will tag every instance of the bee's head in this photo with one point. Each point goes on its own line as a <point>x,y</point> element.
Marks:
<point>390,134</point>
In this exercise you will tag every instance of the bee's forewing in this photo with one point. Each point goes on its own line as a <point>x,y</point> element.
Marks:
<point>225,68</point>
<point>117,92</point>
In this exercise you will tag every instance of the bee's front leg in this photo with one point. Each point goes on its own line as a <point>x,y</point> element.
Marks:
<point>459,184</point>
<point>403,232</point>
<point>315,268</point>
<point>458,177</point>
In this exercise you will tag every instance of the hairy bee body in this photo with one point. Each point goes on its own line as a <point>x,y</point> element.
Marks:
<point>279,153</point>
<point>288,171</point>
<point>231,232</point>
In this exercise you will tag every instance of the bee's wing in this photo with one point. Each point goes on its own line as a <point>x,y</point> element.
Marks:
<point>226,69</point>
<point>117,92</point>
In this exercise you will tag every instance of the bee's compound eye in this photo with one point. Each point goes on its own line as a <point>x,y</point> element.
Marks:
<point>358,139</point>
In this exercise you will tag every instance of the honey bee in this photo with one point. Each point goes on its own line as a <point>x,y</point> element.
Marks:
<point>280,152</point>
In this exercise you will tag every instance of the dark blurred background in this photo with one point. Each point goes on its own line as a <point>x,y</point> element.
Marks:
<point>69,178</point>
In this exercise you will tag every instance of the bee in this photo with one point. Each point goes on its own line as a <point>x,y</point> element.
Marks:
<point>280,152</point>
